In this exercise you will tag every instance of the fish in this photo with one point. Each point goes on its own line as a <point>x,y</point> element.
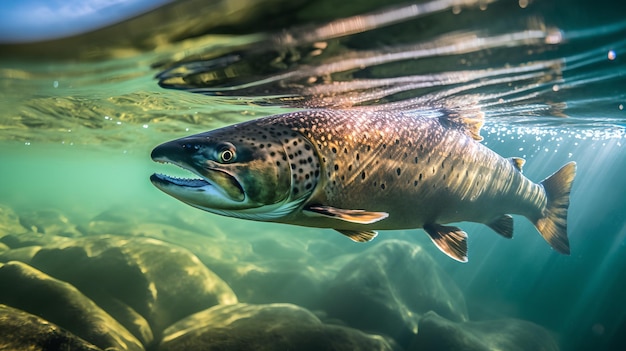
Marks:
<point>359,171</point>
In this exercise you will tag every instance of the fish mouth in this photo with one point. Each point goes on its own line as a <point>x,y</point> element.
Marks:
<point>210,188</point>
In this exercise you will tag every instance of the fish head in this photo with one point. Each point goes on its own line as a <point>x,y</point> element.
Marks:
<point>241,171</point>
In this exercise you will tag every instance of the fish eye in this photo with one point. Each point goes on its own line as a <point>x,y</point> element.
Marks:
<point>227,154</point>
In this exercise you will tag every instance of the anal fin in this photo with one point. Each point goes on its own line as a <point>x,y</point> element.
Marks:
<point>503,225</point>
<point>360,236</point>
<point>450,240</point>
<point>353,216</point>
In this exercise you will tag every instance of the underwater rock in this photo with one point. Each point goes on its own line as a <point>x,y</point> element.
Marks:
<point>49,222</point>
<point>32,239</point>
<point>131,277</point>
<point>387,288</point>
<point>276,281</point>
<point>23,331</point>
<point>265,328</point>
<point>438,333</point>
<point>9,222</point>
<point>62,304</point>
<point>273,270</point>
<point>22,254</point>
<point>142,222</point>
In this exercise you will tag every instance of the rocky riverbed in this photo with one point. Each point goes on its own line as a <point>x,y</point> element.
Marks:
<point>131,279</point>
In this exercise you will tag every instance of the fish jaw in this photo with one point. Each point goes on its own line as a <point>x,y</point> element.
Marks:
<point>210,188</point>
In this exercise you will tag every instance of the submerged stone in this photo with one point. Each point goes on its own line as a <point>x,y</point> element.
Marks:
<point>22,254</point>
<point>387,289</point>
<point>265,328</point>
<point>136,277</point>
<point>62,304</point>
<point>9,222</point>
<point>20,330</point>
<point>49,222</point>
<point>32,239</point>
<point>438,333</point>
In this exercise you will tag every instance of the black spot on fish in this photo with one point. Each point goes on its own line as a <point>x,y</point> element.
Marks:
<point>357,156</point>
<point>277,163</point>
<point>336,167</point>
<point>345,150</point>
<point>442,164</point>
<point>261,146</point>
<point>384,146</point>
<point>308,186</point>
<point>343,177</point>
<point>398,171</point>
<point>334,150</point>
<point>295,143</point>
<point>309,159</point>
<point>349,168</point>
<point>324,159</point>
<point>284,158</point>
<point>444,177</point>
<point>363,175</point>
<point>420,177</point>
<point>421,147</point>
<point>397,141</point>
<point>415,183</point>
<point>416,159</point>
<point>272,154</point>
<point>317,173</point>
<point>382,186</point>
<point>291,156</point>
<point>369,148</point>
<point>293,166</point>
<point>375,183</point>
<point>307,147</point>
<point>295,190</point>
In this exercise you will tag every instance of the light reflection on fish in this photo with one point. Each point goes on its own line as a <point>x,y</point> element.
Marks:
<point>358,171</point>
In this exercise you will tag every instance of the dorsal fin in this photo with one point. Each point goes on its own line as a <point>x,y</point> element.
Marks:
<point>517,162</point>
<point>469,123</point>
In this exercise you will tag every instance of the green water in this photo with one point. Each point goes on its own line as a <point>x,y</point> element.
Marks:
<point>77,204</point>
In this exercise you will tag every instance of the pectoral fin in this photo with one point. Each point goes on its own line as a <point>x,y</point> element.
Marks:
<point>353,216</point>
<point>451,240</point>
<point>360,236</point>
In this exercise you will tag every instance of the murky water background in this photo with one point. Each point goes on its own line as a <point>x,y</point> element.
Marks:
<point>77,130</point>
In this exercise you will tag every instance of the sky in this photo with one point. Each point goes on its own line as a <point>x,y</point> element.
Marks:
<point>36,20</point>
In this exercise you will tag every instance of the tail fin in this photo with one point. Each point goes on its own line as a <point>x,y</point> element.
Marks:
<point>553,226</point>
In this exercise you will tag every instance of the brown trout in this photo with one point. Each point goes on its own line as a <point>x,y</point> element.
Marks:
<point>358,171</point>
